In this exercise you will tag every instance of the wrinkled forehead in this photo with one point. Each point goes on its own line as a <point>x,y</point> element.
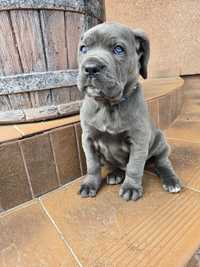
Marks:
<point>108,34</point>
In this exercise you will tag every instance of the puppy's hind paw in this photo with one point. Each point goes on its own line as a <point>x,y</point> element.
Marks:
<point>172,185</point>
<point>87,190</point>
<point>115,177</point>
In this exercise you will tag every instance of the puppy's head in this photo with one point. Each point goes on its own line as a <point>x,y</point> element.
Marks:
<point>111,57</point>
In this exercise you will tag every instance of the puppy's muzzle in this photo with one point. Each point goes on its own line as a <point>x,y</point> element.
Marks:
<point>93,69</point>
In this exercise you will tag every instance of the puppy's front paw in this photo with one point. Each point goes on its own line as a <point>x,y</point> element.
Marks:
<point>88,190</point>
<point>90,186</point>
<point>129,192</point>
<point>172,185</point>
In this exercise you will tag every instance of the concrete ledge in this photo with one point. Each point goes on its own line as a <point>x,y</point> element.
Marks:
<point>39,157</point>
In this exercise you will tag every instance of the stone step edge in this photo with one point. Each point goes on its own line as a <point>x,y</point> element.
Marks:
<point>171,100</point>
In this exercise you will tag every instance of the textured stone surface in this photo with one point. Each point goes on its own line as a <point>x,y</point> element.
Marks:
<point>66,153</point>
<point>8,133</point>
<point>37,81</point>
<point>14,186</point>
<point>29,239</point>
<point>158,230</point>
<point>78,131</point>
<point>40,163</point>
<point>173,29</point>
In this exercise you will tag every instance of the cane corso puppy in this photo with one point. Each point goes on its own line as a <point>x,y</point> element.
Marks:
<point>117,129</point>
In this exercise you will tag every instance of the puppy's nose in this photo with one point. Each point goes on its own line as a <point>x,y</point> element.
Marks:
<point>92,69</point>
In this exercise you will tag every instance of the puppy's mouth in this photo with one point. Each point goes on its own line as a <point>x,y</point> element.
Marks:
<point>100,96</point>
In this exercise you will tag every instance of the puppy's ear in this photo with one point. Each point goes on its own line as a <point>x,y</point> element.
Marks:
<point>143,50</point>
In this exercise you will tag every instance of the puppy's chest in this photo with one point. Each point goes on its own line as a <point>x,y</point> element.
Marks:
<point>112,148</point>
<point>109,121</point>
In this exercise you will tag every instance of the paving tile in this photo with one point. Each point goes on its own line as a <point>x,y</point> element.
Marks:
<point>66,153</point>
<point>185,158</point>
<point>28,239</point>
<point>80,148</point>
<point>191,107</point>
<point>194,261</point>
<point>30,128</point>
<point>61,122</point>
<point>185,130</point>
<point>169,108</point>
<point>14,187</point>
<point>40,163</point>
<point>153,108</point>
<point>26,129</point>
<point>158,230</point>
<point>191,82</point>
<point>159,87</point>
<point>8,133</point>
<point>165,111</point>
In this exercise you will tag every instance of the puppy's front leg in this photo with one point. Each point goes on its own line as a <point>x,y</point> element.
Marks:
<point>92,181</point>
<point>132,185</point>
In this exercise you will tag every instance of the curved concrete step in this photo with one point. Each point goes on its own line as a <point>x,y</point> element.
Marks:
<point>39,157</point>
<point>164,98</point>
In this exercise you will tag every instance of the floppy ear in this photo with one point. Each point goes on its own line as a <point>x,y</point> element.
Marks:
<point>143,50</point>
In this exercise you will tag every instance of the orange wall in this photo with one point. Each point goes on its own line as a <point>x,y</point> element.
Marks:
<point>173,27</point>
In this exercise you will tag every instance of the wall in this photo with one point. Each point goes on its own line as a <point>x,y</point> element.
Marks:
<point>173,27</point>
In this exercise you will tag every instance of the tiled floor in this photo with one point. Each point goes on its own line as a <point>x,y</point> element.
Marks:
<point>60,229</point>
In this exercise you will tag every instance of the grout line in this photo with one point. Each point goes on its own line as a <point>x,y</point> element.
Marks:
<point>78,148</point>
<point>181,139</point>
<point>60,233</point>
<point>55,160</point>
<point>18,207</point>
<point>18,129</point>
<point>192,189</point>
<point>26,169</point>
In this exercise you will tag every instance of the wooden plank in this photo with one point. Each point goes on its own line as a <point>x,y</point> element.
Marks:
<point>28,36</point>
<point>70,108</point>
<point>26,25</point>
<point>75,94</point>
<point>20,101</point>
<point>94,8</point>
<point>4,103</point>
<point>53,28</point>
<point>89,22</point>
<point>74,27</point>
<point>61,95</point>
<point>9,58</point>
<point>37,81</point>
<point>9,61</point>
<point>12,116</point>
<point>41,113</point>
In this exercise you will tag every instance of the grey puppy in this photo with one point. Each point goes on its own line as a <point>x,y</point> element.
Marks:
<point>117,129</point>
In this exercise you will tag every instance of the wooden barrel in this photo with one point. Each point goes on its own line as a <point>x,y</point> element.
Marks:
<point>38,67</point>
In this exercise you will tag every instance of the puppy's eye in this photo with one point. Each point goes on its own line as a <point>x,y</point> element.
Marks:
<point>83,49</point>
<point>118,50</point>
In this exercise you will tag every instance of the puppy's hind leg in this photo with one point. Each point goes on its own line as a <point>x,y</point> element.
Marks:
<point>115,177</point>
<point>163,168</point>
